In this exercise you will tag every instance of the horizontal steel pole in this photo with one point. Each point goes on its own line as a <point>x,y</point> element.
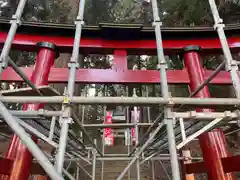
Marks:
<point>191,115</point>
<point>40,112</point>
<point>199,132</point>
<point>115,155</point>
<point>130,158</point>
<point>118,125</point>
<point>163,158</point>
<point>123,100</point>
<point>36,132</point>
<point>32,147</point>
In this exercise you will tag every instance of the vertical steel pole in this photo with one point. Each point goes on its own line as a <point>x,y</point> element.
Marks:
<point>230,63</point>
<point>77,173</point>
<point>135,111</point>
<point>136,132</point>
<point>141,149</point>
<point>73,65</point>
<point>128,132</point>
<point>153,169</point>
<point>103,142</point>
<point>164,87</point>
<point>45,58</point>
<point>52,127</point>
<point>15,22</point>
<point>94,164</point>
<point>31,145</point>
<point>212,160</point>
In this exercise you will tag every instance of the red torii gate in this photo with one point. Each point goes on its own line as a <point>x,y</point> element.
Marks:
<point>217,160</point>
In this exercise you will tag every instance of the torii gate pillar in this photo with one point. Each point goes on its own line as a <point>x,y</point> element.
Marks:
<point>46,54</point>
<point>213,144</point>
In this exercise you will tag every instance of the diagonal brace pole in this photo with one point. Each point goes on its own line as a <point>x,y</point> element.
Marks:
<point>202,130</point>
<point>33,148</point>
<point>138,153</point>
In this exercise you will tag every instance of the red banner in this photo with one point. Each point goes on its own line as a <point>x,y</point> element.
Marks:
<point>135,119</point>
<point>108,132</point>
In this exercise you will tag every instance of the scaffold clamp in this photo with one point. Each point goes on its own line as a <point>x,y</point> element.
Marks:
<point>16,19</point>
<point>73,63</point>
<point>234,63</point>
<point>2,64</point>
<point>157,22</point>
<point>66,100</point>
<point>79,20</point>
<point>219,24</point>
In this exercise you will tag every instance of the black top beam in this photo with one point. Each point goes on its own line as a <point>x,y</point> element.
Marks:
<point>119,31</point>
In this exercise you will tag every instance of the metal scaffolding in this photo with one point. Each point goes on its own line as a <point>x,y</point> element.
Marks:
<point>166,132</point>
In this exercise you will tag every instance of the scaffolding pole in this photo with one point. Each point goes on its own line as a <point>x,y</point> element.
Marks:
<point>135,120</point>
<point>52,127</point>
<point>36,132</point>
<point>128,130</point>
<point>94,153</point>
<point>153,169</point>
<point>231,65</point>
<point>15,22</point>
<point>137,139</point>
<point>84,170</point>
<point>164,87</point>
<point>141,101</point>
<point>103,142</point>
<point>33,148</point>
<point>73,65</point>
<point>198,89</point>
<point>149,130</point>
<point>144,146</point>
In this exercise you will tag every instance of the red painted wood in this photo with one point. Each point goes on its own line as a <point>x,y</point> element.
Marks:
<point>42,178</point>
<point>213,144</point>
<point>120,60</point>
<point>5,167</point>
<point>231,164</point>
<point>7,164</point>
<point>214,147</point>
<point>23,158</point>
<point>197,167</point>
<point>196,74</point>
<point>27,42</point>
<point>60,75</point>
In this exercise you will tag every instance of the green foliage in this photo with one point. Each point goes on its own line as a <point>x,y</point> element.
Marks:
<point>172,12</point>
<point>23,58</point>
<point>55,11</point>
<point>185,12</point>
